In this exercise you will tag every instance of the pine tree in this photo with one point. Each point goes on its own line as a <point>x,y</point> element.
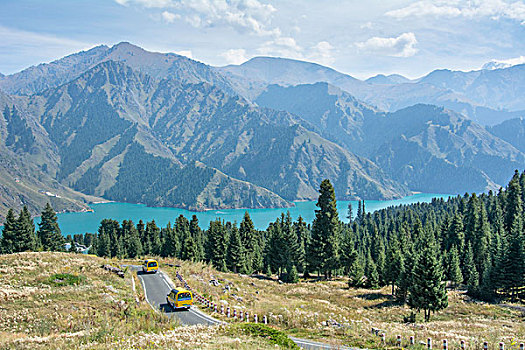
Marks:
<point>326,229</point>
<point>372,275</point>
<point>190,250</point>
<point>349,213</point>
<point>236,259</point>
<point>303,236</point>
<point>182,230</point>
<point>275,247</point>
<point>9,234</point>
<point>198,237</point>
<point>356,273</point>
<point>248,237</point>
<point>292,277</point>
<point>454,269</point>
<point>49,233</point>
<point>170,242</point>
<point>153,238</point>
<point>469,270</point>
<point>25,230</point>
<point>217,245</point>
<point>427,291</point>
<point>130,235</point>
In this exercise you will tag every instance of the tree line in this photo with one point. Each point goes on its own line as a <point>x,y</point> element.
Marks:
<point>470,241</point>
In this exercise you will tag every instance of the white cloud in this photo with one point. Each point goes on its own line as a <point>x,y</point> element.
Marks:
<point>401,46</point>
<point>497,64</point>
<point>494,9</point>
<point>282,47</point>
<point>241,15</point>
<point>322,53</point>
<point>186,53</point>
<point>235,56</point>
<point>169,17</point>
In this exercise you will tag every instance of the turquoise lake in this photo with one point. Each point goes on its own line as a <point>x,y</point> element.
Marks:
<point>71,223</point>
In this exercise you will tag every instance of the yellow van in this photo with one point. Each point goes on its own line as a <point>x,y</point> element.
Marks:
<point>150,265</point>
<point>180,299</point>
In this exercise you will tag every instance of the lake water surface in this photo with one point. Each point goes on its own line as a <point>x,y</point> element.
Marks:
<point>71,223</point>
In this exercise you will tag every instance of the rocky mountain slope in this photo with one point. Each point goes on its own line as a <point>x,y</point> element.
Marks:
<point>415,145</point>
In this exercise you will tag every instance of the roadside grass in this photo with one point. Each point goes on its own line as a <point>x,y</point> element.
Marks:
<point>67,301</point>
<point>330,311</point>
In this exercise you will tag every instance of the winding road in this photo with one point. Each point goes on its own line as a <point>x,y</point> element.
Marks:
<point>157,286</point>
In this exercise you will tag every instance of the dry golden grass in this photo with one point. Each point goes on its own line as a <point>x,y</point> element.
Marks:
<point>302,309</point>
<point>100,312</point>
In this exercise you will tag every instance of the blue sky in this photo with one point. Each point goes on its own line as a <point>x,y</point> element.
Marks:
<point>361,38</point>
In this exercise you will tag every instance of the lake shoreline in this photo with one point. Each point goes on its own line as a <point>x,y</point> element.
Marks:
<point>74,223</point>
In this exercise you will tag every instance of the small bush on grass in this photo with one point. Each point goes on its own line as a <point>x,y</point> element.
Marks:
<point>65,279</point>
<point>275,336</point>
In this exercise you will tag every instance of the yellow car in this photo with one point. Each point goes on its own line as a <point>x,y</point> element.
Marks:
<point>180,299</point>
<point>150,265</point>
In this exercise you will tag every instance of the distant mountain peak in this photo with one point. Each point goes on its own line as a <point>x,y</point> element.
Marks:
<point>501,64</point>
<point>387,79</point>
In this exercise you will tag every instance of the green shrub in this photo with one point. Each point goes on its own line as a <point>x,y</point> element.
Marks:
<point>273,335</point>
<point>65,279</point>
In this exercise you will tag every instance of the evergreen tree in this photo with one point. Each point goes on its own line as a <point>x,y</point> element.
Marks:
<point>469,270</point>
<point>170,242</point>
<point>454,269</point>
<point>182,230</point>
<point>349,213</point>
<point>25,232</point>
<point>427,291</point>
<point>217,245</point>
<point>249,241</point>
<point>303,236</point>
<point>325,231</point>
<point>152,233</point>
<point>132,245</point>
<point>49,233</point>
<point>198,236</point>
<point>372,276</point>
<point>292,277</point>
<point>356,273</point>
<point>190,250</point>
<point>8,243</point>
<point>236,259</point>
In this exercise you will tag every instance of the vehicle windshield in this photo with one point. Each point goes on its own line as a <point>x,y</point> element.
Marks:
<point>184,296</point>
<point>152,264</point>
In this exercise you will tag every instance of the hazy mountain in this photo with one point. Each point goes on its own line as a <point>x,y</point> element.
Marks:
<point>391,79</point>
<point>159,65</point>
<point>415,146</point>
<point>436,150</point>
<point>336,114</point>
<point>512,131</point>
<point>463,92</point>
<point>496,89</point>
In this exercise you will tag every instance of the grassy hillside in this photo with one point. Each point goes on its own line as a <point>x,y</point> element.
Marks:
<point>66,301</point>
<point>329,311</point>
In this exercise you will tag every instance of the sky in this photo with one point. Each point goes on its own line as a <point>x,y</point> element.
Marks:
<point>360,38</point>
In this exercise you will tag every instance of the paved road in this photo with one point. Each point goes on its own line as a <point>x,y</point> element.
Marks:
<point>156,287</point>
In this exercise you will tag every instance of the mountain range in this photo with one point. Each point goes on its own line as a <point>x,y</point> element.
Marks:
<point>121,123</point>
